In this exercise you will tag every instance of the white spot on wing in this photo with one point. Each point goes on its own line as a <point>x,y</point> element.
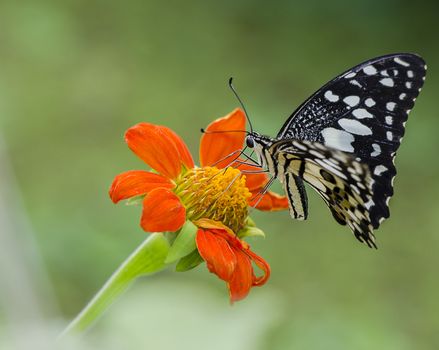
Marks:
<point>379,169</point>
<point>370,70</point>
<point>361,113</point>
<point>402,96</point>
<point>351,100</point>
<point>410,73</point>
<point>332,163</point>
<point>387,82</point>
<point>300,146</point>
<point>389,135</point>
<point>316,154</point>
<point>408,85</point>
<point>359,184</point>
<point>401,62</point>
<point>354,126</point>
<point>369,102</point>
<point>376,150</point>
<point>369,204</point>
<point>390,106</point>
<point>331,97</point>
<point>354,82</point>
<point>350,75</point>
<point>338,139</point>
<point>389,120</point>
<point>355,188</point>
<point>331,167</point>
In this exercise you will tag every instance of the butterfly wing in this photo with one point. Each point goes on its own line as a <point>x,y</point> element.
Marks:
<point>344,183</point>
<point>297,197</point>
<point>363,112</point>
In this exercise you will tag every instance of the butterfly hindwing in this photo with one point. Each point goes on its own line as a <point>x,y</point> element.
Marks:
<point>344,183</point>
<point>363,112</point>
<point>297,197</point>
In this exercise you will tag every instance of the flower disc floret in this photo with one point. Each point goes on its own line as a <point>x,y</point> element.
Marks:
<point>216,194</point>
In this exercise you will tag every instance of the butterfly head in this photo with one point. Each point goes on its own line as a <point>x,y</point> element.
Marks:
<point>257,141</point>
<point>260,145</point>
<point>250,141</point>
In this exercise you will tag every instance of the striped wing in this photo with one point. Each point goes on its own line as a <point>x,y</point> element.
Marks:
<point>297,198</point>
<point>344,183</point>
<point>363,112</point>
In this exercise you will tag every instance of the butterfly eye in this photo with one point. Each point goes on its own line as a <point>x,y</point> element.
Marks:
<point>249,142</point>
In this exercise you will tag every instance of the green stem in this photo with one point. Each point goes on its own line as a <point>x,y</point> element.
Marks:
<point>148,258</point>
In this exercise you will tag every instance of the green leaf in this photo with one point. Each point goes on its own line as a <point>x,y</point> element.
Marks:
<point>184,243</point>
<point>148,258</point>
<point>189,262</point>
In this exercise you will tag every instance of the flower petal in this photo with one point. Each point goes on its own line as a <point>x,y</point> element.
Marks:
<point>214,225</point>
<point>136,182</point>
<point>254,181</point>
<point>263,265</point>
<point>242,279</point>
<point>159,147</point>
<point>185,155</point>
<point>219,257</point>
<point>162,211</point>
<point>270,202</point>
<point>216,149</point>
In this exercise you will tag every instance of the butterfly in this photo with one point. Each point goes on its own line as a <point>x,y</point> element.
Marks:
<point>342,141</point>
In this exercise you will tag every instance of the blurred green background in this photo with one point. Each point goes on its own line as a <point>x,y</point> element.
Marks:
<point>74,75</point>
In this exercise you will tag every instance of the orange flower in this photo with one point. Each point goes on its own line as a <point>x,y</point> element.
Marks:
<point>216,192</point>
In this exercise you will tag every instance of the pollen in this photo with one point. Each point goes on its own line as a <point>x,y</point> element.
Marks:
<point>216,194</point>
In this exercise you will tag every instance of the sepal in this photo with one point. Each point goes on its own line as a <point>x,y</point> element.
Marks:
<point>189,262</point>
<point>184,243</point>
<point>250,230</point>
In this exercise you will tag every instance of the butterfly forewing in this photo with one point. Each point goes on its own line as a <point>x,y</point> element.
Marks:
<point>363,112</point>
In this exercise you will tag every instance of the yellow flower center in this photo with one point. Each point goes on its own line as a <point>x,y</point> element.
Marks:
<point>216,194</point>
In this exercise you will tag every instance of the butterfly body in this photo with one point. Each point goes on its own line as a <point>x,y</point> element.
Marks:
<point>342,141</point>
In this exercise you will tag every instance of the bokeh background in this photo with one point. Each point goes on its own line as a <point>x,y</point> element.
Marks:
<point>74,75</point>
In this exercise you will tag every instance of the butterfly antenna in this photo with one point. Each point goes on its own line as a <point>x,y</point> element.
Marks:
<point>240,102</point>
<point>204,131</point>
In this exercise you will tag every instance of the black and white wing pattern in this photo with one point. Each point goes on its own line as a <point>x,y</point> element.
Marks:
<point>363,112</point>
<point>344,183</point>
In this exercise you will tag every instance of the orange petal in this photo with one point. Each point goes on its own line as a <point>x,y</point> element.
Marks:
<point>185,155</point>
<point>162,211</point>
<point>253,181</point>
<point>263,265</point>
<point>242,279</point>
<point>216,147</point>
<point>219,257</point>
<point>136,182</point>
<point>213,225</point>
<point>159,147</point>
<point>270,202</point>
